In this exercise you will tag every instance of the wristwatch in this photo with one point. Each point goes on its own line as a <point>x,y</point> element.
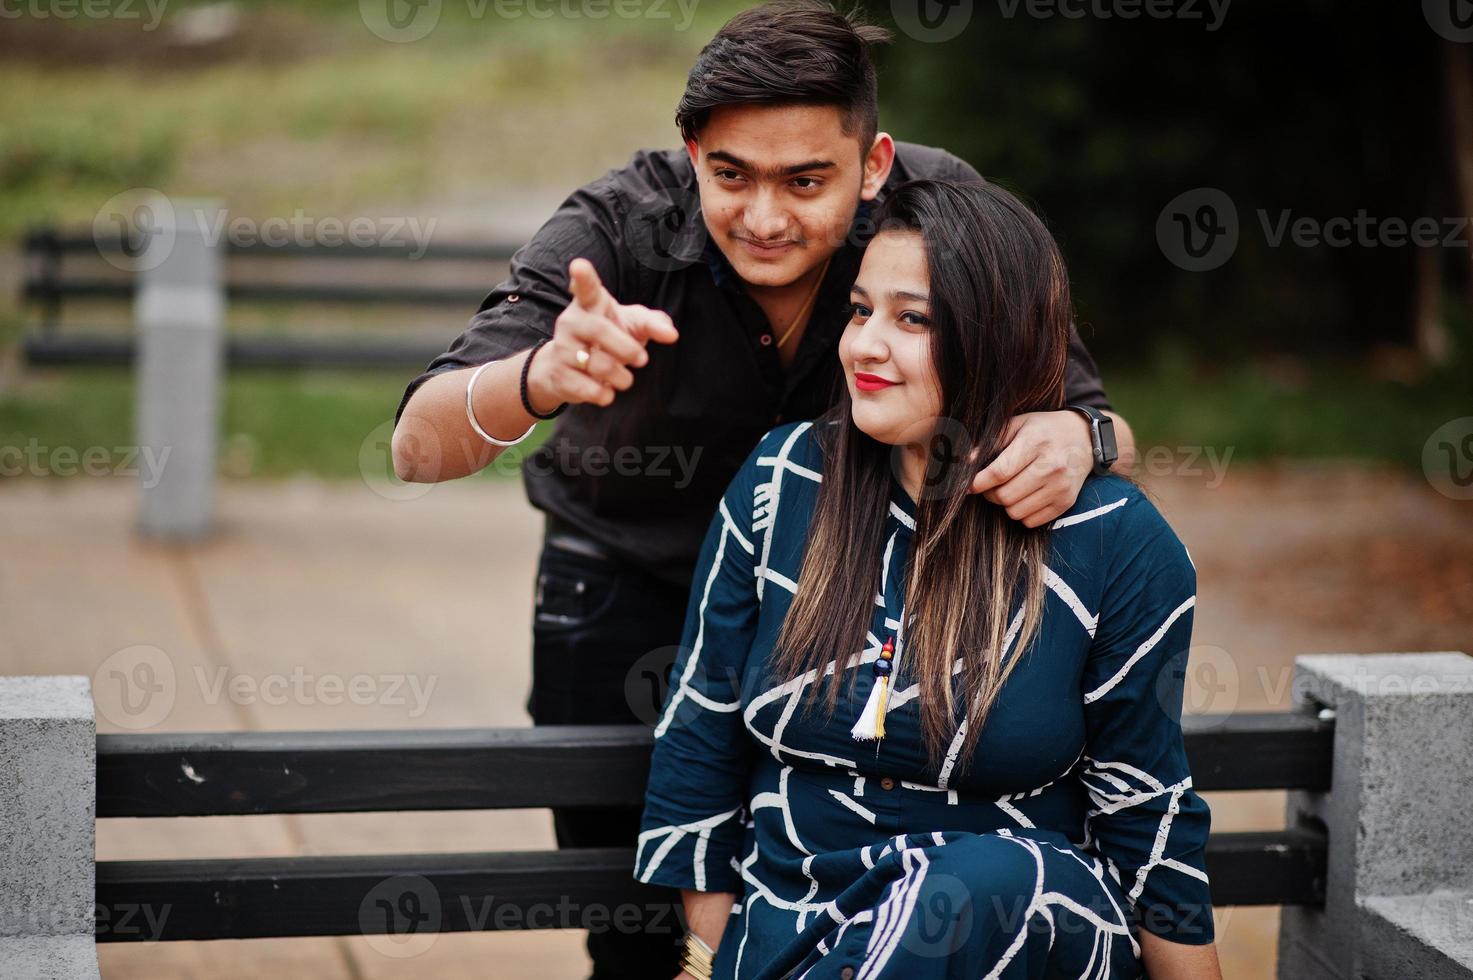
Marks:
<point>1101,435</point>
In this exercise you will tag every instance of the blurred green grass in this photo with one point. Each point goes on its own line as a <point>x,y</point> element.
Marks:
<point>335,424</point>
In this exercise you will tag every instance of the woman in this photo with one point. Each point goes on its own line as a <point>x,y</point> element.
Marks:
<point>907,736</point>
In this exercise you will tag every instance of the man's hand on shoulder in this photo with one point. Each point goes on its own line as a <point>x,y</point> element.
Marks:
<point>1041,470</point>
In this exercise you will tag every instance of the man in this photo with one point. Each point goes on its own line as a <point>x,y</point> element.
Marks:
<point>673,311</point>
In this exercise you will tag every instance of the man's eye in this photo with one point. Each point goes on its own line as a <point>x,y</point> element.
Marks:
<point>728,175</point>
<point>806,183</point>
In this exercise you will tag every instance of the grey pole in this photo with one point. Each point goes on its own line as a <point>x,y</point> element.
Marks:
<point>179,311</point>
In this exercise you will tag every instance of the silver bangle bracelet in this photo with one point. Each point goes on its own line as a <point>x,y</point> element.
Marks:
<point>471,414</point>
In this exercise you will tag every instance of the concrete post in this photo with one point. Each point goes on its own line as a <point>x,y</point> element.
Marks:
<point>48,803</point>
<point>1399,816</point>
<point>179,311</point>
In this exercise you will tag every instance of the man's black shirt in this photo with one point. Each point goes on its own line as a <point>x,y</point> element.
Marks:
<point>643,476</point>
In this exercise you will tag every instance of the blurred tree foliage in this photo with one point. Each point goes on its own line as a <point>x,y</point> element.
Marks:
<point>1311,107</point>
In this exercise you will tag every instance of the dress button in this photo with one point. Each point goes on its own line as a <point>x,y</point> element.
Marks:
<point>766,340</point>
<point>887,783</point>
<point>514,298</point>
<point>847,973</point>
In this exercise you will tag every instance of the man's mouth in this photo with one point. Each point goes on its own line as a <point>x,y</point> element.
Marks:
<point>768,248</point>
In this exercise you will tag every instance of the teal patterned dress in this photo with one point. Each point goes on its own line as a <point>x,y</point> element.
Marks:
<point>1073,827</point>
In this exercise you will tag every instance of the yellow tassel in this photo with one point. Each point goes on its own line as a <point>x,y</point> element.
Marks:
<point>884,686</point>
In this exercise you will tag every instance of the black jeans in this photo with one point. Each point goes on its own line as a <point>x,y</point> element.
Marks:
<point>603,639</point>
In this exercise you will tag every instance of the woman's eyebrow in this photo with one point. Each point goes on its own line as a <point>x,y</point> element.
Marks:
<point>894,294</point>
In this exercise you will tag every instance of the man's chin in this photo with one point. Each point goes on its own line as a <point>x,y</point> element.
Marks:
<point>773,274</point>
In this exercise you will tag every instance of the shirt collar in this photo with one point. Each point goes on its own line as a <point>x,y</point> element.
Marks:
<point>900,498</point>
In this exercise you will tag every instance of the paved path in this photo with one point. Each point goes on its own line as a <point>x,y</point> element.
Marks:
<point>307,579</point>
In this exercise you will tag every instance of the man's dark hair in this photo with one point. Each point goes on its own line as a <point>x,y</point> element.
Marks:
<point>788,52</point>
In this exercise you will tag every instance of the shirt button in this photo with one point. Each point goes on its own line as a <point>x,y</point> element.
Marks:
<point>887,783</point>
<point>766,340</point>
<point>514,298</point>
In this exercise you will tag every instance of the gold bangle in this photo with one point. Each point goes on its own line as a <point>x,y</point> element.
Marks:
<point>697,957</point>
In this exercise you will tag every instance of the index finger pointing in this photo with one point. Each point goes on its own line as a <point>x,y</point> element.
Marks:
<point>587,289</point>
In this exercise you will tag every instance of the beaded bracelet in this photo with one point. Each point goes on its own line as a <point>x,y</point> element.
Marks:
<point>526,370</point>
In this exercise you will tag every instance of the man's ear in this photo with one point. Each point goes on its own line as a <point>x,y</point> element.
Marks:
<point>693,148</point>
<point>877,164</point>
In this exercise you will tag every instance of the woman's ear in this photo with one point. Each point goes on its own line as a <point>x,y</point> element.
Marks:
<point>877,163</point>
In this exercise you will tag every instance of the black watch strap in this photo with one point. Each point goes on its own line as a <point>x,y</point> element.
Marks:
<point>1101,436</point>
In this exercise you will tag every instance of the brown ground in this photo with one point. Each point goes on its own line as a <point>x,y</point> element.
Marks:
<point>338,578</point>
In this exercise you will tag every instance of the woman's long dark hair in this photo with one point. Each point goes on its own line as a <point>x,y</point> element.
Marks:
<point>1000,311</point>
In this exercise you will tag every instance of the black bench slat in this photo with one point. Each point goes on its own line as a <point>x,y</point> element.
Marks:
<point>337,896</point>
<point>229,773</point>
<point>74,348</point>
<point>330,896</point>
<point>268,292</point>
<point>50,242</point>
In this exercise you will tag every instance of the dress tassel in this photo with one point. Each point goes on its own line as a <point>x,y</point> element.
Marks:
<point>871,723</point>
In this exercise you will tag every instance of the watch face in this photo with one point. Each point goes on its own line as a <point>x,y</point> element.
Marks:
<point>1106,429</point>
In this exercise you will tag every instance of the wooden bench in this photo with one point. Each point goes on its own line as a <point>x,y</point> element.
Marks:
<point>51,282</point>
<point>218,774</point>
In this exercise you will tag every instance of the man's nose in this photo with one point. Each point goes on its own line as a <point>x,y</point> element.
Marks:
<point>765,218</point>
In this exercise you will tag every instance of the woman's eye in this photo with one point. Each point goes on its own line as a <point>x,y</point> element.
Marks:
<point>916,319</point>
<point>858,310</point>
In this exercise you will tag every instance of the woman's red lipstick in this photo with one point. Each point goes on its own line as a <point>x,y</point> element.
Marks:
<point>871,382</point>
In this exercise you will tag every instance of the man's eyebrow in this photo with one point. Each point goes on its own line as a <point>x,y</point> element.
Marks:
<point>723,157</point>
<point>894,294</point>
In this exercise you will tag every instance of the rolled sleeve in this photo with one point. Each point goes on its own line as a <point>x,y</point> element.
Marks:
<point>523,308</point>
<point>1144,815</point>
<point>694,816</point>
